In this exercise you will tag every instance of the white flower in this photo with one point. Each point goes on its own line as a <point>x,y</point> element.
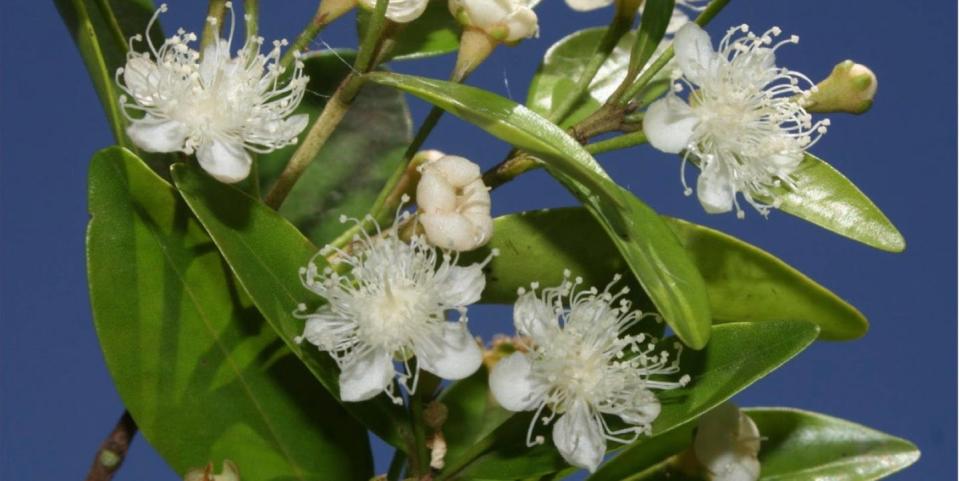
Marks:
<point>393,305</point>
<point>454,204</point>
<point>727,444</point>
<point>215,105</point>
<point>744,121</point>
<point>581,366</point>
<point>400,11</point>
<point>676,21</point>
<point>505,20</point>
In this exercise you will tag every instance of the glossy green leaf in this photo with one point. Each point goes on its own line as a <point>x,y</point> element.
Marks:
<point>434,33</point>
<point>657,14</point>
<point>738,355</point>
<point>101,38</point>
<point>796,446</point>
<point>649,247</point>
<point>355,163</point>
<point>203,375</point>
<point>565,61</point>
<point>828,199</point>
<point>743,282</point>
<point>265,252</point>
<point>473,413</point>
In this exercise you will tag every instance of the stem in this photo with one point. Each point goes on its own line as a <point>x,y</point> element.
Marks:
<point>616,143</point>
<point>251,14</point>
<point>396,466</point>
<point>214,22</point>
<point>326,12</point>
<point>113,450</point>
<point>474,452</point>
<point>334,110</point>
<point>114,25</point>
<point>421,455</point>
<point>707,14</point>
<point>618,27</point>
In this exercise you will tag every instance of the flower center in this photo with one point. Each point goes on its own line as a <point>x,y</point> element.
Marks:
<point>393,314</point>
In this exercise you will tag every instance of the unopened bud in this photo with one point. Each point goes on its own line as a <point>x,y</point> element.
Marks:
<point>849,88</point>
<point>486,24</point>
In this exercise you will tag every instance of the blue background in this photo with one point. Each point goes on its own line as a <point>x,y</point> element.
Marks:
<point>57,398</point>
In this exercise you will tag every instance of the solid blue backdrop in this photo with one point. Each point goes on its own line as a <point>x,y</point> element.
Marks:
<point>58,401</point>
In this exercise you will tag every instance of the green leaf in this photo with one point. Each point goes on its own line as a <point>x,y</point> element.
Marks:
<point>828,199</point>
<point>434,33</point>
<point>650,248</point>
<point>355,163</point>
<point>101,36</point>
<point>743,282</point>
<point>796,446</point>
<point>565,61</point>
<point>265,252</point>
<point>806,446</point>
<point>194,362</point>
<point>473,413</point>
<point>655,20</point>
<point>738,355</point>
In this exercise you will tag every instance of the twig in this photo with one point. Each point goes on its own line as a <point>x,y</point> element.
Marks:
<point>113,450</point>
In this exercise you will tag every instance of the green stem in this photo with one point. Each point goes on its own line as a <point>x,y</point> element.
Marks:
<point>616,143</point>
<point>704,17</point>
<point>333,112</point>
<point>214,22</point>
<point>114,25</point>
<point>396,466</point>
<point>619,26</point>
<point>326,12</point>
<point>472,454</point>
<point>421,455</point>
<point>251,14</point>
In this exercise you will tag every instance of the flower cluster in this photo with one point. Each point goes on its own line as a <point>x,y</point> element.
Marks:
<point>215,105</point>
<point>585,362</point>
<point>390,307</point>
<point>504,20</point>
<point>744,121</point>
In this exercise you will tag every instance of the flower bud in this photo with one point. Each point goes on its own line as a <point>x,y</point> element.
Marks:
<point>849,88</point>
<point>727,444</point>
<point>400,11</point>
<point>230,473</point>
<point>454,204</point>
<point>504,20</point>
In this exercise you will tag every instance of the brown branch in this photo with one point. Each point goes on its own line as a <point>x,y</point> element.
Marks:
<point>113,450</point>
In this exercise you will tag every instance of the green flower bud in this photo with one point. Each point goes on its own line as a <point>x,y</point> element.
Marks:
<point>849,88</point>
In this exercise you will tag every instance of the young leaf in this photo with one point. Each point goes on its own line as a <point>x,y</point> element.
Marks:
<point>265,252</point>
<point>738,355</point>
<point>194,362</point>
<point>650,249</point>
<point>656,17</point>
<point>743,282</point>
<point>796,446</point>
<point>357,160</point>
<point>828,199</point>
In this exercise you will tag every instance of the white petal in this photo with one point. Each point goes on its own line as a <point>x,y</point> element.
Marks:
<point>669,124</point>
<point>454,356</point>
<point>644,410</point>
<point>521,23</point>
<point>462,285</point>
<point>586,5</point>
<point>726,440</point>
<point>325,330</point>
<point>742,468</point>
<point>486,14</point>
<point>213,59</point>
<point>158,135</point>
<point>715,189</point>
<point>366,376</point>
<point>456,170</point>
<point>513,385</point>
<point>434,193</point>
<point>694,52</point>
<point>140,78</point>
<point>579,438</point>
<point>452,230</point>
<point>534,318</point>
<point>226,162</point>
<point>400,11</point>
